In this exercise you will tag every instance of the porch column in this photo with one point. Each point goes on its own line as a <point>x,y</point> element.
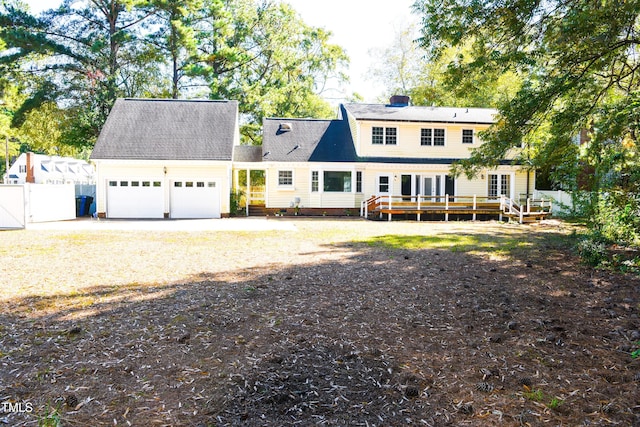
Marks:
<point>247,196</point>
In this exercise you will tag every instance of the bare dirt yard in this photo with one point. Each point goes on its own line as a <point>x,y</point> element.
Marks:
<point>337,322</point>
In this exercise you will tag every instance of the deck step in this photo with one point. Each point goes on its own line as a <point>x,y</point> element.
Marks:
<point>257,210</point>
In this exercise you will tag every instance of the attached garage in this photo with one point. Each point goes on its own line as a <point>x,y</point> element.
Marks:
<point>166,158</point>
<point>195,199</point>
<point>147,194</point>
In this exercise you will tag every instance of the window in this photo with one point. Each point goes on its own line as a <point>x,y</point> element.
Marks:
<point>188,184</point>
<point>285,178</point>
<point>438,137</point>
<point>124,183</point>
<point>377,135</point>
<point>435,137</point>
<point>467,136</point>
<point>359,182</point>
<point>177,184</point>
<point>339,182</point>
<point>135,183</point>
<point>157,184</point>
<point>113,183</point>
<point>200,184</point>
<point>426,137</point>
<point>383,184</point>
<point>391,136</point>
<point>146,184</point>
<point>211,184</point>
<point>23,168</point>
<point>380,135</point>
<point>315,184</point>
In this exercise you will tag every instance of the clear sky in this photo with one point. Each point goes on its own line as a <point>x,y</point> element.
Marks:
<point>357,25</point>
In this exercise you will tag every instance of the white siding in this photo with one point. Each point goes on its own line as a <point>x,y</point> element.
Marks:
<point>166,172</point>
<point>409,137</point>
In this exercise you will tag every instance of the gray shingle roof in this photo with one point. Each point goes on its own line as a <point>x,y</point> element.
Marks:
<point>422,114</point>
<point>308,141</point>
<point>247,153</point>
<point>168,129</point>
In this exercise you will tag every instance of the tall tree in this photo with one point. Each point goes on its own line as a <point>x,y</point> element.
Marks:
<point>175,36</point>
<point>576,55</point>
<point>582,72</point>
<point>95,55</point>
<point>404,67</point>
<point>265,56</point>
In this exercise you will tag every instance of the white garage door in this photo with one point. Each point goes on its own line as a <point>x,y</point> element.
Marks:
<point>128,198</point>
<point>195,199</point>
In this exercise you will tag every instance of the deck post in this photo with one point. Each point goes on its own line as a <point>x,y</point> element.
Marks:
<point>521,215</point>
<point>528,205</point>
<point>446,207</point>
<point>389,207</point>
<point>418,216</point>
<point>501,207</point>
<point>475,207</point>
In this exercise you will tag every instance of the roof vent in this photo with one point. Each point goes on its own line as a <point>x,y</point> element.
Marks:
<point>285,127</point>
<point>399,101</point>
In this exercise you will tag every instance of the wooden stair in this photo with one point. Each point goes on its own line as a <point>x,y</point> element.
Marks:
<point>257,210</point>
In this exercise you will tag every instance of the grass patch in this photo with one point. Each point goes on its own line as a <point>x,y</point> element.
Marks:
<point>479,243</point>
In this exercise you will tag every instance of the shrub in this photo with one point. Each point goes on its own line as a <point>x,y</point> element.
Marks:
<point>593,251</point>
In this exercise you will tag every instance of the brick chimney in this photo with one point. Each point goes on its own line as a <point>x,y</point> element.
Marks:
<point>30,177</point>
<point>399,101</point>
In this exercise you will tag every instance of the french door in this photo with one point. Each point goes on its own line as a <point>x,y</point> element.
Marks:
<point>499,185</point>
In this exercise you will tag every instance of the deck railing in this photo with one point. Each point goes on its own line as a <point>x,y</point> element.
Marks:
<point>447,204</point>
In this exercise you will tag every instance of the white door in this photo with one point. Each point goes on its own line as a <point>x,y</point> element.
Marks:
<point>500,185</point>
<point>134,198</point>
<point>384,184</point>
<point>432,186</point>
<point>195,199</point>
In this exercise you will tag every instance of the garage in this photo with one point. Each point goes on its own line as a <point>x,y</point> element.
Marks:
<point>195,199</point>
<point>129,198</point>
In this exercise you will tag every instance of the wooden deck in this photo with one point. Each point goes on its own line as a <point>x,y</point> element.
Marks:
<point>377,207</point>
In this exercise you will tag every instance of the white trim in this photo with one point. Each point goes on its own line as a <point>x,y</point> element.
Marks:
<point>287,186</point>
<point>473,136</point>
<point>384,136</point>
<point>390,184</point>
<point>433,136</point>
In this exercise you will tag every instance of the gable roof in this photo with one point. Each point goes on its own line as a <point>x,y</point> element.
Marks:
<point>307,140</point>
<point>168,129</point>
<point>381,112</point>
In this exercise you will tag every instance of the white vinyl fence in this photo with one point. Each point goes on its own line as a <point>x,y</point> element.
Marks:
<point>12,206</point>
<point>562,201</point>
<point>28,203</point>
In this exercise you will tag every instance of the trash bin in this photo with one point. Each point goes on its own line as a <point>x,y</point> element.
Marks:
<point>83,203</point>
<point>78,206</point>
<point>87,205</point>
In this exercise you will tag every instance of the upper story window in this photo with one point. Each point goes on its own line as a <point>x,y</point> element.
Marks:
<point>285,178</point>
<point>23,168</point>
<point>467,136</point>
<point>435,137</point>
<point>386,136</point>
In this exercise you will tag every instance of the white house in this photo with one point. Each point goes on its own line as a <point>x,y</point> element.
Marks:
<point>178,158</point>
<point>43,169</point>
<point>390,149</point>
